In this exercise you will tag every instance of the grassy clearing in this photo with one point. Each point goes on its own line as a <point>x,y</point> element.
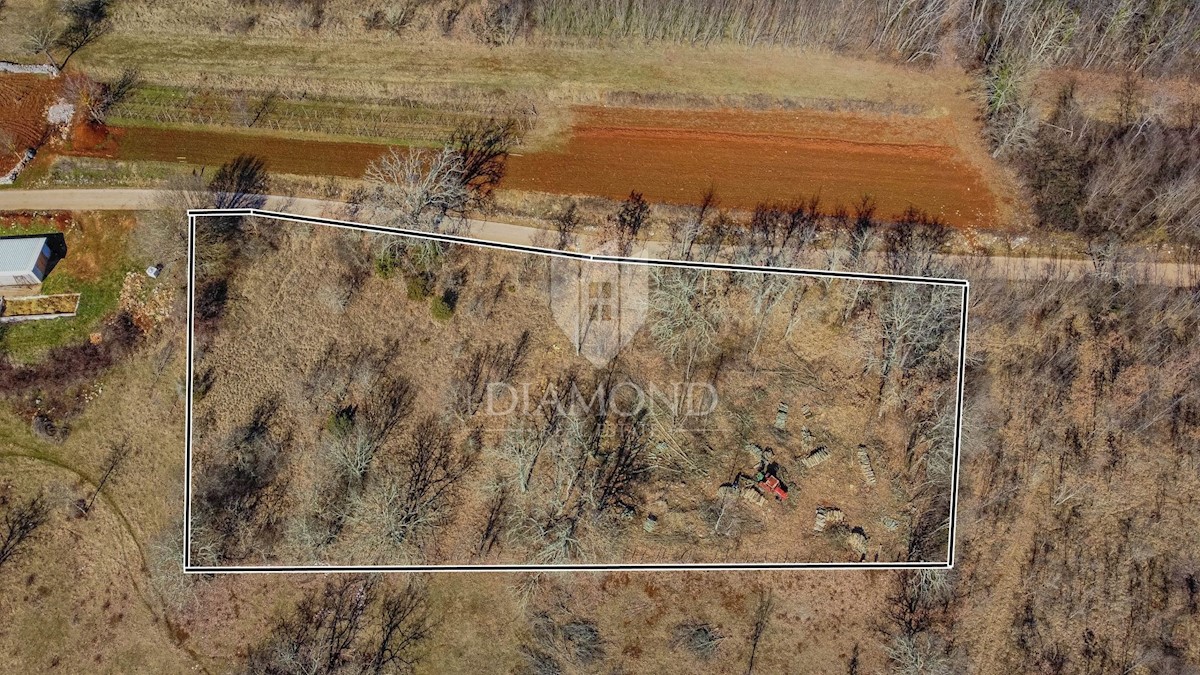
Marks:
<point>99,172</point>
<point>95,267</point>
<point>297,115</point>
<point>384,69</point>
<point>80,599</point>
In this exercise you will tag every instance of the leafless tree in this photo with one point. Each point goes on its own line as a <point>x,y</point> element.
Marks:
<point>687,234</point>
<point>164,236</point>
<point>700,639</point>
<point>497,515</point>
<point>117,455</point>
<point>265,106</point>
<point>573,638</point>
<point>483,146</point>
<point>493,364</point>
<point>686,313</point>
<point>912,243</point>
<point>917,320</point>
<point>235,491</point>
<point>96,99</point>
<point>19,524</point>
<point>913,612</point>
<point>627,224</point>
<point>348,627</point>
<point>241,183</point>
<point>415,500</point>
<point>357,432</point>
<point>418,190</point>
<point>86,22</point>
<point>566,225</point>
<point>762,619</point>
<point>405,622</point>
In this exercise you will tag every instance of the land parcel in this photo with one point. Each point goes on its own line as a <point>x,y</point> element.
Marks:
<point>363,398</point>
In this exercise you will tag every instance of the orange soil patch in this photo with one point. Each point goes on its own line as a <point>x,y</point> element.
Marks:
<point>24,100</point>
<point>675,156</point>
<point>93,140</point>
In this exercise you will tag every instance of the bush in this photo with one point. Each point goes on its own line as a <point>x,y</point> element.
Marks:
<point>442,311</point>
<point>418,287</point>
<point>385,267</point>
<point>341,423</point>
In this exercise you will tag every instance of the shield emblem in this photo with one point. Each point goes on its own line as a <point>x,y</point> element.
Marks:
<point>598,304</point>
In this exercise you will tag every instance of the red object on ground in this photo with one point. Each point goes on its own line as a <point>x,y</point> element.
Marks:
<point>773,486</point>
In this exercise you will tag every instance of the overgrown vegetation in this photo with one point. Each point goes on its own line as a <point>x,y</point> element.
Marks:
<point>350,625</point>
<point>1134,179</point>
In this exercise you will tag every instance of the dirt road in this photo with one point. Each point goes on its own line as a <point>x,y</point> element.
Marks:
<point>1013,268</point>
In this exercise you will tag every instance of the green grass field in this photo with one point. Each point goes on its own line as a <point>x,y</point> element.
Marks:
<point>98,281</point>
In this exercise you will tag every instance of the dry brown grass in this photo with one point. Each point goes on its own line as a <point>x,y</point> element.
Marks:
<point>285,312</point>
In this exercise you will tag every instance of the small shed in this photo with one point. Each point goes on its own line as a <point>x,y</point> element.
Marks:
<point>23,260</point>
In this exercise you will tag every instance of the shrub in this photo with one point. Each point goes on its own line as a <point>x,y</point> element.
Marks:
<point>418,287</point>
<point>341,423</point>
<point>385,267</point>
<point>442,311</point>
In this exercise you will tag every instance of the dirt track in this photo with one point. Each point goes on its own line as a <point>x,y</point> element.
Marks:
<point>1014,268</point>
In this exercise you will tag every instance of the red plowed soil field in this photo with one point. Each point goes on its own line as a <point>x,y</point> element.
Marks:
<point>674,156</point>
<point>23,103</point>
<point>750,156</point>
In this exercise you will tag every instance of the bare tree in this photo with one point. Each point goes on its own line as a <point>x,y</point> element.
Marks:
<point>265,106</point>
<point>913,610</point>
<point>627,224</point>
<point>19,524</point>
<point>416,500</point>
<point>762,619</point>
<point>686,313</point>
<point>241,183</point>
<point>483,146</point>
<point>417,190</point>
<point>112,465</point>
<point>114,93</point>
<point>334,630</point>
<point>86,22</point>
<point>700,639</point>
<point>493,364</point>
<point>357,432</point>
<point>566,225</point>
<point>405,622</point>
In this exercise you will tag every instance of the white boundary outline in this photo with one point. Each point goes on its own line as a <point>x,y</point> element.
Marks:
<point>188,567</point>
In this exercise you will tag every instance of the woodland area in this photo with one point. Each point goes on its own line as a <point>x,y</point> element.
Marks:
<point>391,445</point>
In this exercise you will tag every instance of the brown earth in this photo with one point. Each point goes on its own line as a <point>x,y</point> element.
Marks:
<point>674,156</point>
<point>23,103</point>
<point>746,157</point>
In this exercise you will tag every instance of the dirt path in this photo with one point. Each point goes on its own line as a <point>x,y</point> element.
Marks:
<point>159,611</point>
<point>1013,268</point>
